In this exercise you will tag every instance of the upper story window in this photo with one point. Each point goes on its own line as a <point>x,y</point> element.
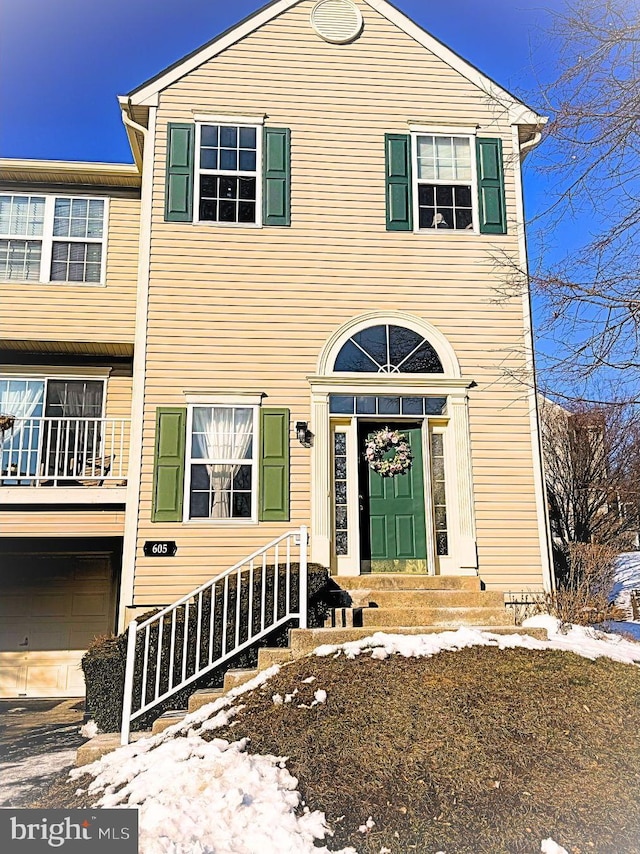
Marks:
<point>52,238</point>
<point>445,182</point>
<point>229,174</point>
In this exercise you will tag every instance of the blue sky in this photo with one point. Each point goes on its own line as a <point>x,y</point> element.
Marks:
<point>63,62</point>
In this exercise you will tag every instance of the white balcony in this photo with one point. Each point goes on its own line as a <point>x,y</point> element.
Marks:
<point>65,459</point>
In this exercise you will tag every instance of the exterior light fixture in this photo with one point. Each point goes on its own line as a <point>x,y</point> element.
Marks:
<point>302,431</point>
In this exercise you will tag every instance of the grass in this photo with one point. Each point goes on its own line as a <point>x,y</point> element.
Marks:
<point>480,751</point>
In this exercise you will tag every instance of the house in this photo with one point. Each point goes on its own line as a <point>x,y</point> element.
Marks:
<point>199,347</point>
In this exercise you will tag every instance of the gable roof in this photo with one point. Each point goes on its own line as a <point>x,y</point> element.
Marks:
<point>147,93</point>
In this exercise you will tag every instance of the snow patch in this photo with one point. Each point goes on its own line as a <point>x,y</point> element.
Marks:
<point>89,730</point>
<point>548,846</point>
<point>587,642</point>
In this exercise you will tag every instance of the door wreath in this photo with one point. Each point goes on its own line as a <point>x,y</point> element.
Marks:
<point>379,444</point>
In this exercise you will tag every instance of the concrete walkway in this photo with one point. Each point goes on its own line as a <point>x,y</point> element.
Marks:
<point>38,741</point>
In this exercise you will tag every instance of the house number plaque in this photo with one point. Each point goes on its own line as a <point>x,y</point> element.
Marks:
<point>160,548</point>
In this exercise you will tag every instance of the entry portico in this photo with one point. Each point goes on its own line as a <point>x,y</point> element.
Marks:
<point>392,369</point>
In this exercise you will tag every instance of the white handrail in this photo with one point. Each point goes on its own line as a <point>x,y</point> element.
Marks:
<point>47,451</point>
<point>222,639</point>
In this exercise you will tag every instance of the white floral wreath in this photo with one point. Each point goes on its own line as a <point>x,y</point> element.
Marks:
<point>379,444</point>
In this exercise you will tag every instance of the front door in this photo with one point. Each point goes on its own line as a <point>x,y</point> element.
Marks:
<point>392,524</point>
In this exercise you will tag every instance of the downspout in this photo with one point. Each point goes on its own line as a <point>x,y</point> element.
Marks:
<point>135,145</point>
<point>544,531</point>
<point>139,365</point>
<point>529,144</point>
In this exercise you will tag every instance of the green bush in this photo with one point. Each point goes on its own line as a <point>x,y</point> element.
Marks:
<point>105,662</point>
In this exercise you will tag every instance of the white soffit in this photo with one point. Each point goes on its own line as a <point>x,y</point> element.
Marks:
<point>147,93</point>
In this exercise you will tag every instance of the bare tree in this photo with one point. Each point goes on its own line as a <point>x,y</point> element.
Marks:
<point>590,299</point>
<point>592,461</point>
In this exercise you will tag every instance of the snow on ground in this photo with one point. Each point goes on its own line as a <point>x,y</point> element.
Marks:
<point>587,642</point>
<point>548,846</point>
<point>89,730</point>
<point>627,579</point>
<point>198,797</point>
<point>27,776</point>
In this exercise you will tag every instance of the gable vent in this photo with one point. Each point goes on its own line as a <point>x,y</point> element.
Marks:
<point>336,21</point>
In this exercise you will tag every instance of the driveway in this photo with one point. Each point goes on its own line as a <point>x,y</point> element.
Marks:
<point>38,740</point>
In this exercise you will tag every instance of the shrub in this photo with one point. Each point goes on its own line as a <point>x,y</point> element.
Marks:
<point>584,594</point>
<point>104,663</point>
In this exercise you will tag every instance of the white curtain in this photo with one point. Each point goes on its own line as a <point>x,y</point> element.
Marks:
<point>20,398</point>
<point>222,433</point>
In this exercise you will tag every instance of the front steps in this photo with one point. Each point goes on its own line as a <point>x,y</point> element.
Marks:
<point>395,601</point>
<point>364,604</point>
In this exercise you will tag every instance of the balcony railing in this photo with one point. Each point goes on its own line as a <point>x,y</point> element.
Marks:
<point>64,452</point>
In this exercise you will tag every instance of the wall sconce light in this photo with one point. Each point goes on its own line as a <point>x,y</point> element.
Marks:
<point>302,432</point>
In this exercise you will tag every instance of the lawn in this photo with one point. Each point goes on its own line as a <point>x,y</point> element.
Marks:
<point>483,750</point>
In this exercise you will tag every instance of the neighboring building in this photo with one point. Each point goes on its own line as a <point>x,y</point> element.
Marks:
<point>309,237</point>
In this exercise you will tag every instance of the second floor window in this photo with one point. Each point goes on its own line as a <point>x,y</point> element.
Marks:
<point>228,174</point>
<point>445,182</point>
<point>51,238</point>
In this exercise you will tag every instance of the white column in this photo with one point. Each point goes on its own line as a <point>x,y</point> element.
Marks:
<point>320,481</point>
<point>464,540</point>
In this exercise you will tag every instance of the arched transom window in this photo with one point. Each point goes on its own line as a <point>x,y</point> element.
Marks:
<point>388,349</point>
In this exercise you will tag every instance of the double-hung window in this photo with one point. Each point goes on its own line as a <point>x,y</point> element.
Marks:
<point>229,174</point>
<point>445,182</point>
<point>52,238</point>
<point>222,463</point>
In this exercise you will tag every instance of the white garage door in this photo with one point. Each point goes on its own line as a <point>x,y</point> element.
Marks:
<point>51,608</point>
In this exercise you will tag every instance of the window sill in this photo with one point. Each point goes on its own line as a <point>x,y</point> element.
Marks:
<point>220,523</point>
<point>35,284</point>
<point>211,224</point>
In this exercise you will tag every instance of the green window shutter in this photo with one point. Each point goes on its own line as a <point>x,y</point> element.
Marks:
<point>168,464</point>
<point>178,202</point>
<point>398,171</point>
<point>274,465</point>
<point>276,193</point>
<point>493,218</point>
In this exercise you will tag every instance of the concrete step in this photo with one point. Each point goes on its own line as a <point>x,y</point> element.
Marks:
<point>236,677</point>
<point>205,695</point>
<point>268,655</point>
<point>102,744</point>
<point>306,640</point>
<point>393,581</point>
<point>168,719</point>
<point>450,617</point>
<point>425,598</point>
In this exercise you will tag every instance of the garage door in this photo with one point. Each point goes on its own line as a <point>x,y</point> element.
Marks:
<point>51,608</point>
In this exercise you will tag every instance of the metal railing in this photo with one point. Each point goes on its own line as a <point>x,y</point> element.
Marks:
<point>64,451</point>
<point>213,623</point>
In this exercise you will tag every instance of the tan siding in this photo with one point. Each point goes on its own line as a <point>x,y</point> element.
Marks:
<point>52,312</point>
<point>118,405</point>
<point>61,522</point>
<point>250,309</point>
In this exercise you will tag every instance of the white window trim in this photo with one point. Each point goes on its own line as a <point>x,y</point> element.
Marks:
<point>47,239</point>
<point>254,461</point>
<point>46,378</point>
<point>229,119</point>
<point>258,174</point>
<point>426,131</point>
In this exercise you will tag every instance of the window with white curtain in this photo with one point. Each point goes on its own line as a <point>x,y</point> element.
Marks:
<point>221,472</point>
<point>52,238</point>
<point>445,182</point>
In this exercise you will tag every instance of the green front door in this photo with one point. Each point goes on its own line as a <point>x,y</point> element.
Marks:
<point>394,527</point>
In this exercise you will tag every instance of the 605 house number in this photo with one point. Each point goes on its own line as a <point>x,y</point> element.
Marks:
<point>160,548</point>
